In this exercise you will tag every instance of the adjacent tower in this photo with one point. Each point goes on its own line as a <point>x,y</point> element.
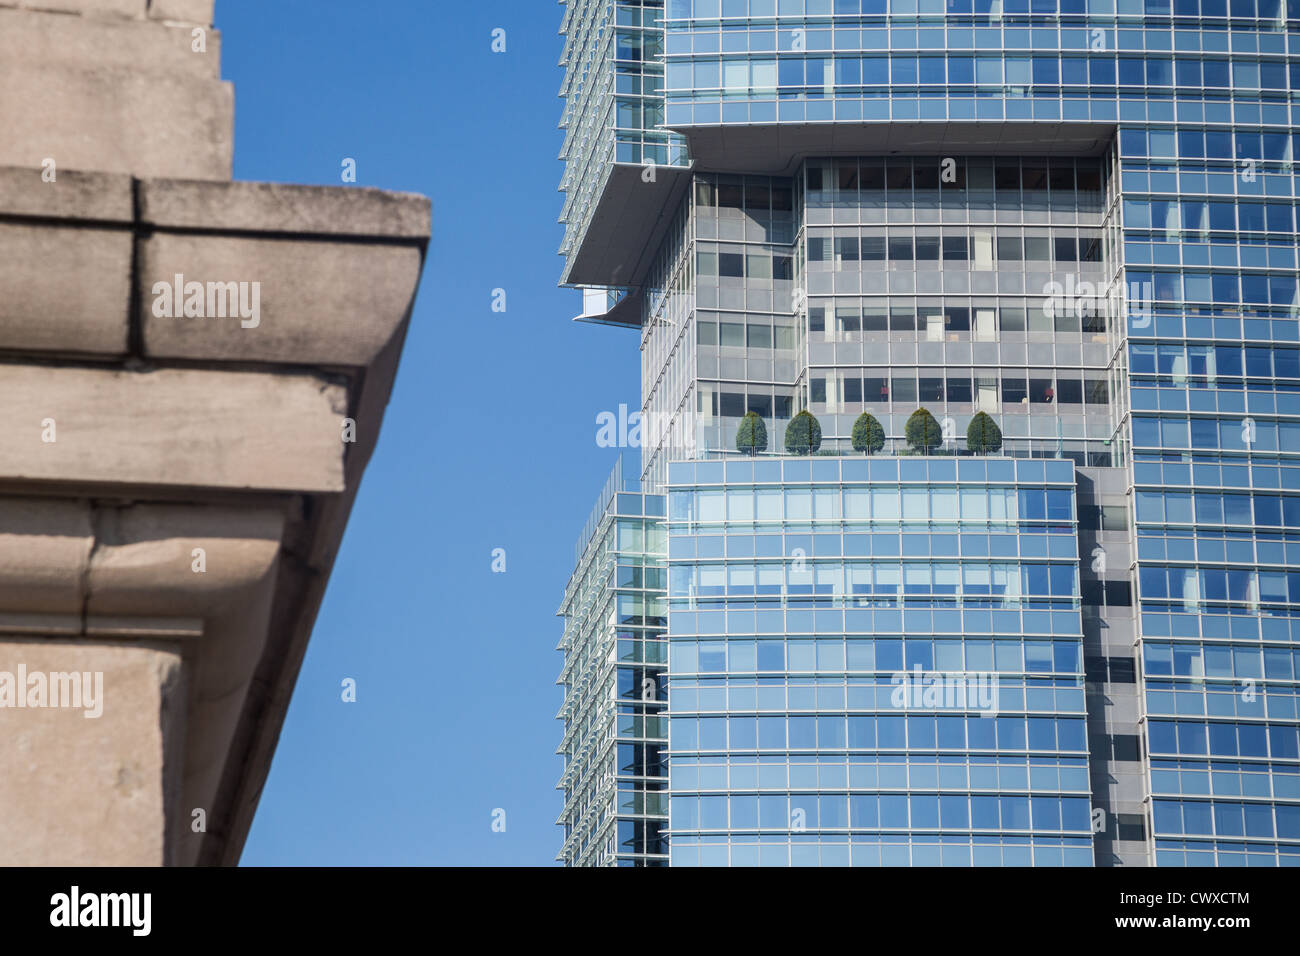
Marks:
<point>1067,640</point>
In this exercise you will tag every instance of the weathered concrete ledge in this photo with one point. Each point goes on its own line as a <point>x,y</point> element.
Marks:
<point>179,427</point>
<point>287,209</point>
<point>332,271</point>
<point>197,12</point>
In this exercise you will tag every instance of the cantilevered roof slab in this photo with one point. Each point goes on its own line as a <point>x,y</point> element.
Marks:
<point>778,148</point>
<point>633,214</point>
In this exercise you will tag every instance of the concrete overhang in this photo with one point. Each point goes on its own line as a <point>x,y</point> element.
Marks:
<point>777,149</point>
<point>93,260</point>
<point>631,218</point>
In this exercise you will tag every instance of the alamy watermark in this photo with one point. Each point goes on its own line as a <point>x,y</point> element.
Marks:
<point>636,429</point>
<point>74,690</point>
<point>133,911</point>
<point>1082,298</point>
<point>945,690</point>
<point>211,300</point>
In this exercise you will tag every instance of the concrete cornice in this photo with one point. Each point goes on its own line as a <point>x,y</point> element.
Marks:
<point>133,573</point>
<point>334,270</point>
<point>275,208</point>
<point>82,197</point>
<point>200,428</point>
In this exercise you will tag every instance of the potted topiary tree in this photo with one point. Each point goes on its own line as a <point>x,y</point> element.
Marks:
<point>923,432</point>
<point>751,436</point>
<point>868,436</point>
<point>803,436</point>
<point>983,437</point>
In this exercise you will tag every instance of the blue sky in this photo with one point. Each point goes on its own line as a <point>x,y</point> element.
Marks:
<point>489,440</point>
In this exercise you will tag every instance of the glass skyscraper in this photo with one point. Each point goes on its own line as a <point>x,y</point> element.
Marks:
<point>615,657</point>
<point>1074,645</point>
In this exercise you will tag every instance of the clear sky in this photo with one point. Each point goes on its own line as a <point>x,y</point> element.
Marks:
<point>489,441</point>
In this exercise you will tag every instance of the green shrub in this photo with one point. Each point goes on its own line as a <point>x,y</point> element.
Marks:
<point>803,436</point>
<point>983,437</point>
<point>751,437</point>
<point>868,436</point>
<point>923,432</point>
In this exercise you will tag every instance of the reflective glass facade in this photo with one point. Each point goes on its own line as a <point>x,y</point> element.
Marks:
<point>872,662</point>
<point>1077,217</point>
<point>615,656</point>
<point>1098,61</point>
<point>613,93</point>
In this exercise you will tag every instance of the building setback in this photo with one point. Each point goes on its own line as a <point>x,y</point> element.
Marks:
<point>193,374</point>
<point>1073,645</point>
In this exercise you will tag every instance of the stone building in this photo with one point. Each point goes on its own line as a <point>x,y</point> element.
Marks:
<point>193,375</point>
